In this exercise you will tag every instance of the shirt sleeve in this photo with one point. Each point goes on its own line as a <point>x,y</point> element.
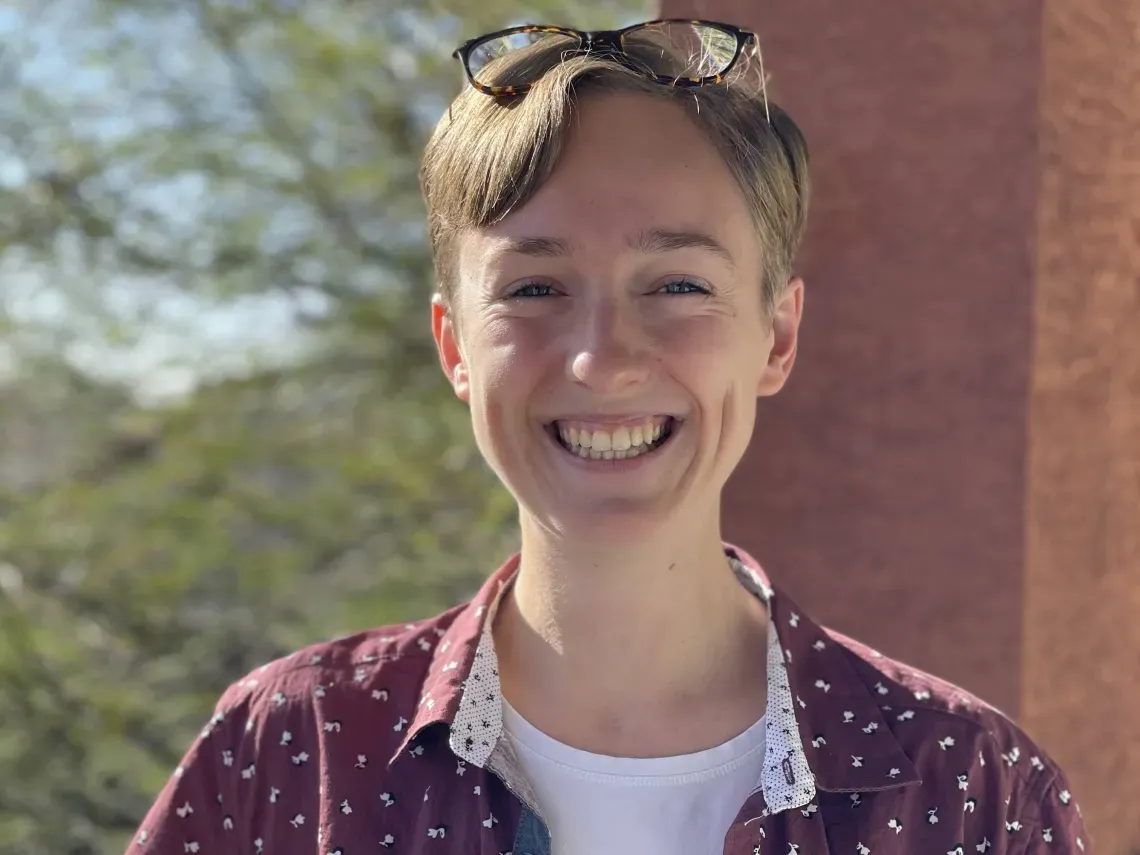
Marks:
<point>198,810</point>
<point>1060,828</point>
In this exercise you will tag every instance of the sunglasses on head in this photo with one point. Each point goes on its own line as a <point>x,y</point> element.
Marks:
<point>674,52</point>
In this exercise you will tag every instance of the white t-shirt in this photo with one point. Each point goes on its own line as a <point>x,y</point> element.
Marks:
<point>599,805</point>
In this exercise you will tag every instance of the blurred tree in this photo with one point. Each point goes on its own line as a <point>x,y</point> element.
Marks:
<point>258,157</point>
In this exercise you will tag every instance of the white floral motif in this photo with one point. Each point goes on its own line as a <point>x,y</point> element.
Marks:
<point>896,825</point>
<point>274,793</point>
<point>922,695</point>
<point>361,761</point>
<point>387,841</point>
<point>1047,835</point>
<point>379,695</point>
<point>946,743</point>
<point>300,759</point>
<point>821,684</point>
<point>247,772</point>
<point>441,831</point>
<point>1065,797</point>
<point>818,742</point>
<point>298,820</point>
<point>184,811</point>
<point>228,757</point>
<point>857,762</point>
<point>286,738</point>
<point>332,727</point>
<point>871,727</point>
<point>848,717</point>
<point>190,846</point>
<point>984,845</point>
<point>387,799</point>
<point>861,849</point>
<point>259,845</point>
<point>399,726</point>
<point>490,821</point>
<point>932,816</point>
<point>895,772</point>
<point>906,715</point>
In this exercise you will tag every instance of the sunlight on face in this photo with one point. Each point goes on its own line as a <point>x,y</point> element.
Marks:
<point>613,340</point>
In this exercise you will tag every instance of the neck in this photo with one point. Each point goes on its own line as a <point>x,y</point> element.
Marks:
<point>602,633</point>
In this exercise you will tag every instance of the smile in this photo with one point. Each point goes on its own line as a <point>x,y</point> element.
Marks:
<point>613,442</point>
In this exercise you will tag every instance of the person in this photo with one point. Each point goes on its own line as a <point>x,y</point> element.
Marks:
<point>614,219</point>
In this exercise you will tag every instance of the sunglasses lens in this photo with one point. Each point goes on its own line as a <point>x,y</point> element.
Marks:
<point>512,60</point>
<point>681,49</point>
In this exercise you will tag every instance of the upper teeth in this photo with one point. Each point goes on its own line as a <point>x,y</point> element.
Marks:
<point>620,439</point>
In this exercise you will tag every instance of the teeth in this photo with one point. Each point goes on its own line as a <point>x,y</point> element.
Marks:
<point>622,443</point>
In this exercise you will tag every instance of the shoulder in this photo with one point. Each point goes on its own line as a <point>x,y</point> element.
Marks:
<point>958,740</point>
<point>347,701</point>
<point>386,663</point>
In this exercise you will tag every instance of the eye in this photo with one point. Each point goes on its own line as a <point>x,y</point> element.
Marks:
<point>683,286</point>
<point>531,289</point>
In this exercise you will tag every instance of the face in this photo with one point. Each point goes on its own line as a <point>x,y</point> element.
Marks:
<point>609,336</point>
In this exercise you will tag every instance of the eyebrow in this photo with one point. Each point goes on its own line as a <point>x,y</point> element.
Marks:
<point>650,241</point>
<point>665,240</point>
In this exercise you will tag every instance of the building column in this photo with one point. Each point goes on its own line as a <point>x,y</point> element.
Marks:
<point>953,472</point>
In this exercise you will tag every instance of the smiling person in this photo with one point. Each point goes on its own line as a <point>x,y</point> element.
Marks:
<point>614,219</point>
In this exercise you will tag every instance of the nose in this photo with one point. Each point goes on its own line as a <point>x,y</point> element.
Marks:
<point>612,354</point>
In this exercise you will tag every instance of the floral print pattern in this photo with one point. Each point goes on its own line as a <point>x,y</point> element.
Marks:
<point>392,740</point>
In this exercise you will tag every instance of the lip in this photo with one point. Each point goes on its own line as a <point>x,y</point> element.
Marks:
<point>617,420</point>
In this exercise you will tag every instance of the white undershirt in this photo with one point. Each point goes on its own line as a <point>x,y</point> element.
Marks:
<point>599,805</point>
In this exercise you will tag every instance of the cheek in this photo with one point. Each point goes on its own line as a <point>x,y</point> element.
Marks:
<point>505,356</point>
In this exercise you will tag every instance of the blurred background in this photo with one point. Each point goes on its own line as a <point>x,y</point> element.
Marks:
<point>224,434</point>
<point>223,429</point>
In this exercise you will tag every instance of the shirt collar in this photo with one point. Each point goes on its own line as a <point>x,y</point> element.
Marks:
<point>819,706</point>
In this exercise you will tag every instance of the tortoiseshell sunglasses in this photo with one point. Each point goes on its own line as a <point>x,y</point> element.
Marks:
<point>672,51</point>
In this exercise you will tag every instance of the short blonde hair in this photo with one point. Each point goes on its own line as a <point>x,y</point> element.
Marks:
<point>488,155</point>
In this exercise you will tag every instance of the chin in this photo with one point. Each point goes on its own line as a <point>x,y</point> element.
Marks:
<point>615,520</point>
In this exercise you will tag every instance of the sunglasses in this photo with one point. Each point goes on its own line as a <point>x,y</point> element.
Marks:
<point>674,52</point>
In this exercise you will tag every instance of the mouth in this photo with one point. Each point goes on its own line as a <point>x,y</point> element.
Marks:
<point>596,441</point>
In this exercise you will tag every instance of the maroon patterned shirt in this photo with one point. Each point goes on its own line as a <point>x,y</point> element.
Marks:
<point>392,740</point>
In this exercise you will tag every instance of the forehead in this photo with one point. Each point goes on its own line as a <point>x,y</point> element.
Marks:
<point>631,163</point>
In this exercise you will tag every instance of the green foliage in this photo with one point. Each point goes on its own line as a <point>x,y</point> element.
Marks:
<point>259,154</point>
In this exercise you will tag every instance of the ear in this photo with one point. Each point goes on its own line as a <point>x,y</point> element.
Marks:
<point>450,353</point>
<point>784,336</point>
